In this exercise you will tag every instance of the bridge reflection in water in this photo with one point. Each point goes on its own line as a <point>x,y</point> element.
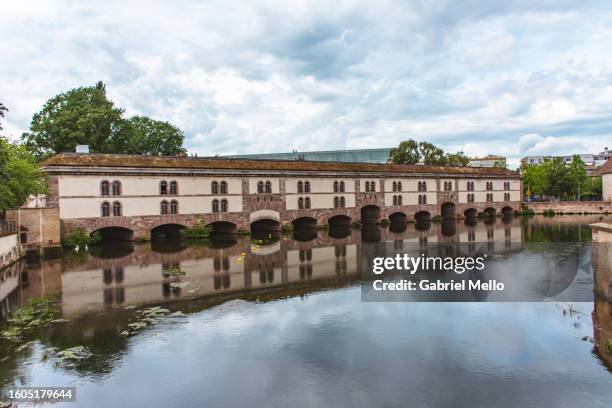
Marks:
<point>122,273</point>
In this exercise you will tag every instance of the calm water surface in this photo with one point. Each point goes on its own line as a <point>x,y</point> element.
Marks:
<point>282,323</point>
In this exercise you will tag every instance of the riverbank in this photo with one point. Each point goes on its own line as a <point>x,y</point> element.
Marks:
<point>570,207</point>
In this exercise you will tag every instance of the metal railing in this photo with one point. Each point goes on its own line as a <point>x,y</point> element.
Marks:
<point>7,227</point>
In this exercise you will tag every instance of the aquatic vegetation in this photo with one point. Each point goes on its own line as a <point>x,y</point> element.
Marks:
<point>67,358</point>
<point>199,232</point>
<point>31,316</point>
<point>144,319</point>
<point>80,238</point>
<point>172,271</point>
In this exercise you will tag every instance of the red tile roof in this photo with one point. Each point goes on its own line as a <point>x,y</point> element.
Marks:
<point>176,162</point>
<point>605,168</point>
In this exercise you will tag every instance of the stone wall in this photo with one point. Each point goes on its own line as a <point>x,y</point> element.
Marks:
<point>9,250</point>
<point>38,227</point>
<point>599,207</point>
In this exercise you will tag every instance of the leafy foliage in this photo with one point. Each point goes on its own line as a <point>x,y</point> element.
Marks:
<point>85,115</point>
<point>412,152</point>
<point>32,315</point>
<point>19,175</point>
<point>199,232</point>
<point>80,238</point>
<point>553,177</point>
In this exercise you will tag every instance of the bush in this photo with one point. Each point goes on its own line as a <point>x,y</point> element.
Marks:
<point>199,232</point>
<point>384,223</point>
<point>80,238</point>
<point>357,224</point>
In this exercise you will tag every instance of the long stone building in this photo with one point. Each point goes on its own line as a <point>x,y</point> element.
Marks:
<point>139,196</point>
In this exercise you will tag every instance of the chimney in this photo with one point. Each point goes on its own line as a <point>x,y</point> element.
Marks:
<point>82,149</point>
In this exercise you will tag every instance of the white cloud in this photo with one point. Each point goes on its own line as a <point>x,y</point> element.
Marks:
<point>271,76</point>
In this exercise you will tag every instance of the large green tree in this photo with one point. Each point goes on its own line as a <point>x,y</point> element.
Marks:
<point>86,115</point>
<point>411,152</point>
<point>143,135</point>
<point>19,175</point>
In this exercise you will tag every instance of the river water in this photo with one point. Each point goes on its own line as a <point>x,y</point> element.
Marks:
<point>281,322</point>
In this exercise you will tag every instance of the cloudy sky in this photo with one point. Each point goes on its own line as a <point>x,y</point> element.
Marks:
<point>507,77</point>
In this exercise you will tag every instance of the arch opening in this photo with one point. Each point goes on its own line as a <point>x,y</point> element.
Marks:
<point>398,218</point>
<point>116,234</point>
<point>507,211</point>
<point>422,216</point>
<point>223,227</point>
<point>166,231</point>
<point>304,223</point>
<point>339,231</point>
<point>470,213</point>
<point>448,210</point>
<point>489,212</point>
<point>265,229</point>
<point>339,221</point>
<point>370,214</point>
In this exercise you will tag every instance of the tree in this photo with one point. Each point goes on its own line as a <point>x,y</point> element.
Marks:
<point>143,135</point>
<point>411,152</point>
<point>559,178</point>
<point>86,116</point>
<point>578,175</point>
<point>80,116</point>
<point>19,175</point>
<point>456,160</point>
<point>406,153</point>
<point>2,110</point>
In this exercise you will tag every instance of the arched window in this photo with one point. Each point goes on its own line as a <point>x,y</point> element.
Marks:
<point>399,186</point>
<point>173,188</point>
<point>300,203</point>
<point>367,186</point>
<point>224,205</point>
<point>336,187</point>
<point>307,202</point>
<point>307,186</point>
<point>424,199</point>
<point>214,187</point>
<point>268,187</point>
<point>394,186</point>
<point>300,187</point>
<point>105,209</point>
<point>215,206</point>
<point>116,188</point>
<point>223,186</point>
<point>342,202</point>
<point>399,200</point>
<point>336,202</point>
<point>117,209</point>
<point>104,188</point>
<point>260,187</point>
<point>373,186</point>
<point>342,186</point>
<point>173,207</point>
<point>163,207</point>
<point>163,187</point>
<point>394,199</point>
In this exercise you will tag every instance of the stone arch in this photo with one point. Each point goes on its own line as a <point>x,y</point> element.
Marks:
<point>264,214</point>
<point>168,230</point>
<point>489,212</point>
<point>339,220</point>
<point>398,218</point>
<point>470,213</point>
<point>447,210</point>
<point>115,233</point>
<point>304,223</point>
<point>422,216</point>
<point>370,214</point>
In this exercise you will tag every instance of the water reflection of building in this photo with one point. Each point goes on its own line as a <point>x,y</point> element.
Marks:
<point>167,271</point>
<point>602,313</point>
